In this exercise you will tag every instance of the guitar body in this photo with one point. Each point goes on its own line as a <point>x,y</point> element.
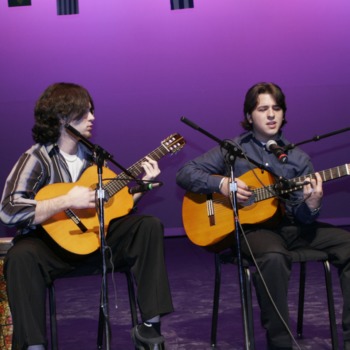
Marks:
<point>208,219</point>
<point>65,232</point>
<point>78,231</point>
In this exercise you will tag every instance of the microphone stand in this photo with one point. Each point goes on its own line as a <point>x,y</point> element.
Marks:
<point>100,156</point>
<point>233,152</point>
<point>316,138</point>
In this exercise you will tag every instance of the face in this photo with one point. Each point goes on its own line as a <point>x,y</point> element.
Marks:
<point>266,118</point>
<point>84,125</point>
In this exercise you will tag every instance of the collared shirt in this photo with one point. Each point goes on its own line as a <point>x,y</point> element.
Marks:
<point>196,175</point>
<point>39,166</point>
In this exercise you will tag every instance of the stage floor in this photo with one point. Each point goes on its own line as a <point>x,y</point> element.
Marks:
<point>191,274</point>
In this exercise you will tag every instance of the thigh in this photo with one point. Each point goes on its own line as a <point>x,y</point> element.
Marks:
<point>30,252</point>
<point>132,235</point>
<point>263,241</point>
<point>334,240</point>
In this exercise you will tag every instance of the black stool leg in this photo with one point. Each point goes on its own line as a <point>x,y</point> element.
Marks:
<point>250,319</point>
<point>214,321</point>
<point>132,298</point>
<point>331,311</point>
<point>301,299</point>
<point>53,321</point>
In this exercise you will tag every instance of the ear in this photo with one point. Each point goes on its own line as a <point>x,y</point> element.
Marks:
<point>249,118</point>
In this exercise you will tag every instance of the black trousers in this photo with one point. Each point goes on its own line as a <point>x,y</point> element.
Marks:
<point>271,249</point>
<point>34,262</point>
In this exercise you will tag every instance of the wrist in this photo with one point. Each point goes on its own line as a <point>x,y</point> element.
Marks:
<point>315,211</point>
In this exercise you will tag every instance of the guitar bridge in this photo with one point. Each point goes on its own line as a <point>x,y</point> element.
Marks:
<point>76,220</point>
<point>210,210</point>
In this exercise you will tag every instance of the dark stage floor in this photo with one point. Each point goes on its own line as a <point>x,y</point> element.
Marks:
<point>191,273</point>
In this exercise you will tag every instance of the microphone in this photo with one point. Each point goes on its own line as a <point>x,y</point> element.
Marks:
<point>278,151</point>
<point>144,187</point>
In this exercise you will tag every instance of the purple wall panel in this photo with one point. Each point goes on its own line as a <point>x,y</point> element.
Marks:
<point>146,66</point>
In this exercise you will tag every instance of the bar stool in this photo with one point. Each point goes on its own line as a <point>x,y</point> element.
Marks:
<point>6,328</point>
<point>301,256</point>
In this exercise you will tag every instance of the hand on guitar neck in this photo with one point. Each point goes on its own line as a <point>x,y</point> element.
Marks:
<point>313,191</point>
<point>152,170</point>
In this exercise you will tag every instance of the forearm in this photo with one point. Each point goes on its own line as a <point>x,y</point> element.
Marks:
<point>78,197</point>
<point>49,207</point>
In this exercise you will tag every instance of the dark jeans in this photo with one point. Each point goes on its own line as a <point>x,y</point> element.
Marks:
<point>271,250</point>
<point>34,262</point>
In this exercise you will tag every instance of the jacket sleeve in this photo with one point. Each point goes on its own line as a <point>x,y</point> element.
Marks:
<point>198,175</point>
<point>18,199</point>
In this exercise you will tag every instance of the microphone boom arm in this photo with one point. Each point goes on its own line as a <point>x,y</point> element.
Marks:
<point>316,138</point>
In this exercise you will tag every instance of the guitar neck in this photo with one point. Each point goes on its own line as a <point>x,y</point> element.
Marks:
<point>263,193</point>
<point>326,175</point>
<point>120,181</point>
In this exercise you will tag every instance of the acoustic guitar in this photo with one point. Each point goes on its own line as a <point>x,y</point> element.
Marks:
<point>77,231</point>
<point>208,218</point>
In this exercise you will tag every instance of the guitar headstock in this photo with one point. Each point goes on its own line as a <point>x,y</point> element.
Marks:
<point>174,143</point>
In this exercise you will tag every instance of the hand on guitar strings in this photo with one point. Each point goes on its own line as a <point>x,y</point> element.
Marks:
<point>81,197</point>
<point>243,191</point>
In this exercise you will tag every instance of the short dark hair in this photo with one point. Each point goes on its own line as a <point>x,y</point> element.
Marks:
<point>60,102</point>
<point>251,100</point>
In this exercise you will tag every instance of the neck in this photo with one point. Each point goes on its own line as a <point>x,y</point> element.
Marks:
<point>67,144</point>
<point>264,138</point>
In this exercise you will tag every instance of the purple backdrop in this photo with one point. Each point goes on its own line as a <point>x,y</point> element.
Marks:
<point>146,66</point>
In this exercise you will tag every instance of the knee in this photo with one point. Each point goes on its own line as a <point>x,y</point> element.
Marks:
<point>19,257</point>
<point>275,260</point>
<point>153,226</point>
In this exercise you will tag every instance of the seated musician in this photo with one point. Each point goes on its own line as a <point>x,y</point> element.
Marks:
<point>35,260</point>
<point>264,117</point>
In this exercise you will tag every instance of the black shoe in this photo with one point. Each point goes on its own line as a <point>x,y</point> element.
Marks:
<point>147,338</point>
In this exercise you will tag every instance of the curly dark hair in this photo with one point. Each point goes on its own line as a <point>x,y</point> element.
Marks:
<point>251,101</point>
<point>60,103</point>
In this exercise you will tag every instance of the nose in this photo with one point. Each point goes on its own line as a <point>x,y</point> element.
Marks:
<point>271,113</point>
<point>91,116</point>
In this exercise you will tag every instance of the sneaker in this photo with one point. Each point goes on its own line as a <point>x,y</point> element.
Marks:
<point>147,338</point>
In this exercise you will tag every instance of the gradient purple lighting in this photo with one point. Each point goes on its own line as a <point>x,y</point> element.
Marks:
<point>146,66</point>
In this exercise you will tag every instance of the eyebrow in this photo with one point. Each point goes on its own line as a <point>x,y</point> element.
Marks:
<point>275,105</point>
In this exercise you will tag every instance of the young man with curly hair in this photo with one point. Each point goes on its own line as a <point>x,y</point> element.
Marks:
<point>35,261</point>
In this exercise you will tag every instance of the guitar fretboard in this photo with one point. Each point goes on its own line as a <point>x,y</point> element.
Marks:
<point>120,181</point>
<point>269,191</point>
